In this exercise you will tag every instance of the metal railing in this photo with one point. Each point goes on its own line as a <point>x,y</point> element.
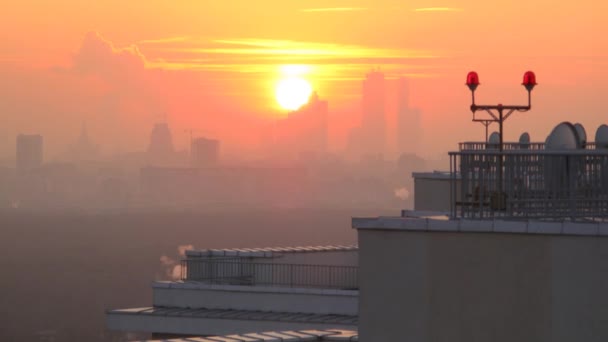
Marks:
<point>509,146</point>
<point>246,272</point>
<point>534,184</point>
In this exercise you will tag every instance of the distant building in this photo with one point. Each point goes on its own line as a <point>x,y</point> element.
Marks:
<point>170,185</point>
<point>408,120</point>
<point>370,137</point>
<point>374,113</point>
<point>304,131</point>
<point>160,149</point>
<point>83,148</point>
<point>227,185</point>
<point>29,152</point>
<point>204,152</point>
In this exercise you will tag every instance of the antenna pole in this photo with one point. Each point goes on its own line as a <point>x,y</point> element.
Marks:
<point>500,150</point>
<point>473,82</point>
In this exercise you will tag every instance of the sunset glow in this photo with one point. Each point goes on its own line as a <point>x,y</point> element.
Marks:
<point>292,93</point>
<point>116,65</point>
<point>132,131</point>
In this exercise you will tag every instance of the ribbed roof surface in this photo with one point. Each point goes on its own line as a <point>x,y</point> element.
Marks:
<point>268,251</point>
<point>277,336</point>
<point>240,315</point>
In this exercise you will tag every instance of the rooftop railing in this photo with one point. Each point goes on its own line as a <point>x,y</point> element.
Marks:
<point>530,184</point>
<point>509,146</point>
<point>243,271</point>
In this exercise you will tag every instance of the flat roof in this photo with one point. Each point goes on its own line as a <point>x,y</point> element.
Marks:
<point>230,314</point>
<point>278,336</point>
<point>409,221</point>
<point>197,285</point>
<point>268,252</point>
<point>569,152</point>
<point>433,175</point>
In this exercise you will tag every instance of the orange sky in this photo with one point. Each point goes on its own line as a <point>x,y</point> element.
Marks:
<point>212,65</point>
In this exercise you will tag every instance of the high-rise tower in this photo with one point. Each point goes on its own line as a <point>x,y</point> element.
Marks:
<point>369,138</point>
<point>408,120</point>
<point>373,122</point>
<point>160,149</point>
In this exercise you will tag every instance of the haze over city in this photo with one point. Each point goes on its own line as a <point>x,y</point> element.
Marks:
<point>133,130</point>
<point>213,67</point>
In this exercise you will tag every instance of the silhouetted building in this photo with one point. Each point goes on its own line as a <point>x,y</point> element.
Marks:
<point>304,131</point>
<point>233,185</point>
<point>408,120</point>
<point>370,136</point>
<point>29,152</point>
<point>83,148</point>
<point>161,150</point>
<point>204,152</point>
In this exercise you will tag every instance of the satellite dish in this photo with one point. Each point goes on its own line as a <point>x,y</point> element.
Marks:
<point>493,140</point>
<point>559,172</point>
<point>563,137</point>
<point>582,135</point>
<point>601,137</point>
<point>524,140</point>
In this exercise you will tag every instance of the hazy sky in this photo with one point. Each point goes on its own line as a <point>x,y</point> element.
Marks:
<point>212,66</point>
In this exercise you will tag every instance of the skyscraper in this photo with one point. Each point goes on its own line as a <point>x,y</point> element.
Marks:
<point>160,149</point>
<point>304,131</point>
<point>369,138</point>
<point>373,122</point>
<point>408,120</point>
<point>29,152</point>
<point>83,149</point>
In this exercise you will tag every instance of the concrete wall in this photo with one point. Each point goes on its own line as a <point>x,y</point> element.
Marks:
<point>432,194</point>
<point>467,287</point>
<point>256,298</point>
<point>205,326</point>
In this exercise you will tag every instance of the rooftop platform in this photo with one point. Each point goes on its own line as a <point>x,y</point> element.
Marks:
<point>277,336</point>
<point>439,222</point>
<point>239,314</point>
<point>267,252</point>
<point>560,180</point>
<point>435,175</point>
<point>205,321</point>
<point>196,285</point>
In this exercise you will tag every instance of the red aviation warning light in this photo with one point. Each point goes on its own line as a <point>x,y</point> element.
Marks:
<point>473,80</point>
<point>529,80</point>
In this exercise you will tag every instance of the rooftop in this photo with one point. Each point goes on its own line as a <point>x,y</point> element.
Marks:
<point>565,178</point>
<point>274,336</point>
<point>231,314</point>
<point>197,285</point>
<point>438,222</point>
<point>267,252</point>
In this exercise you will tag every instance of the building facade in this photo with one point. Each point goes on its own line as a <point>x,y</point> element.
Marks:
<point>204,152</point>
<point>370,137</point>
<point>239,291</point>
<point>409,128</point>
<point>304,132</point>
<point>514,248</point>
<point>29,152</point>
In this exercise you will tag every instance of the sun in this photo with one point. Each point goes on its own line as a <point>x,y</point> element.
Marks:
<point>293,92</point>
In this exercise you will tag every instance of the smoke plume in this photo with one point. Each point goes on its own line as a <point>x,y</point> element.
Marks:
<point>172,268</point>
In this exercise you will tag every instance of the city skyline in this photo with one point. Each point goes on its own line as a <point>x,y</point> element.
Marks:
<point>303,130</point>
<point>221,74</point>
<point>172,169</point>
